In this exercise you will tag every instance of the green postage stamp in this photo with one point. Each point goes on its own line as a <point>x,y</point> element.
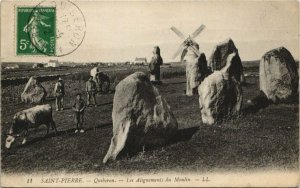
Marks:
<point>36,31</point>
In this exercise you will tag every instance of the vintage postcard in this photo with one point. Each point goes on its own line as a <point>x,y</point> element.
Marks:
<point>149,93</point>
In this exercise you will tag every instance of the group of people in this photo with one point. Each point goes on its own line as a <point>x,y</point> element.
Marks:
<point>79,104</point>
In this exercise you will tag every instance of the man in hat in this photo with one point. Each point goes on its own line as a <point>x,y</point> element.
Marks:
<point>154,66</point>
<point>59,91</point>
<point>91,89</point>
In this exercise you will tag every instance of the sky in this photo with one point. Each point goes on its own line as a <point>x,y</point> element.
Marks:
<point>120,31</point>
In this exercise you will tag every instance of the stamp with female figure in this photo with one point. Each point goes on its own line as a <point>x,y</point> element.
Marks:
<point>36,30</point>
<point>52,28</point>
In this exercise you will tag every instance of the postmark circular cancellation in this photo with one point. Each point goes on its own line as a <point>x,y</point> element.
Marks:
<point>56,28</point>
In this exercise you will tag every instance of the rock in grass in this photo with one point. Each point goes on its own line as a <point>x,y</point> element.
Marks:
<point>220,94</point>
<point>141,117</point>
<point>278,75</point>
<point>33,92</point>
<point>219,57</point>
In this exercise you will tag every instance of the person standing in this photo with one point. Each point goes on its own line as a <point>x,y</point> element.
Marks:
<point>59,91</point>
<point>91,89</point>
<point>79,107</point>
<point>154,65</point>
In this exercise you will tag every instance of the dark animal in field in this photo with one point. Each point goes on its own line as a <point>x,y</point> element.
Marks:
<point>30,118</point>
<point>141,117</point>
<point>278,75</point>
<point>33,92</point>
<point>220,94</point>
<point>102,80</point>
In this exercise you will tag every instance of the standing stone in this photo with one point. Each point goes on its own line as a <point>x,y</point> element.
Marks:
<point>219,56</point>
<point>141,117</point>
<point>196,70</point>
<point>154,65</point>
<point>278,75</point>
<point>203,68</point>
<point>192,72</point>
<point>220,94</point>
<point>33,92</point>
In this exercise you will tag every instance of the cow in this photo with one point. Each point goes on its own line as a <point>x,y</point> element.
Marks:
<point>101,79</point>
<point>30,118</point>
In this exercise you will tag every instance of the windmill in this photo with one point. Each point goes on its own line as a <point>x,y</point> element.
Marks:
<point>190,54</point>
<point>189,43</point>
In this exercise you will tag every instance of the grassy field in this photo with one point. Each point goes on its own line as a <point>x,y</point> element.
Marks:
<point>262,138</point>
<point>74,78</point>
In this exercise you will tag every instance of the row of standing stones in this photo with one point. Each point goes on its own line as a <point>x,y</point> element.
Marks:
<point>142,117</point>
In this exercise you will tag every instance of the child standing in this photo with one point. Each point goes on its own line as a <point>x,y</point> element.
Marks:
<point>78,107</point>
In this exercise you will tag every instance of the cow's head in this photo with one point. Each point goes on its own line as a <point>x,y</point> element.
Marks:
<point>9,140</point>
<point>18,125</point>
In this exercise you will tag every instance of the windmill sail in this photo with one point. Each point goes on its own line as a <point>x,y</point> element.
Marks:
<point>180,49</point>
<point>189,42</point>
<point>198,31</point>
<point>195,50</point>
<point>177,32</point>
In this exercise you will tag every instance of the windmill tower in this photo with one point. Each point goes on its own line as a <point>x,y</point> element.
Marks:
<point>190,54</point>
<point>189,44</point>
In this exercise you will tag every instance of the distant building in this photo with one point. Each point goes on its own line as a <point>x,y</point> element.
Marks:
<point>140,61</point>
<point>37,65</point>
<point>53,63</point>
<point>12,66</point>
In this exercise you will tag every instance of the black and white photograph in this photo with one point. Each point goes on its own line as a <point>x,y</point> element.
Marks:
<point>149,93</point>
